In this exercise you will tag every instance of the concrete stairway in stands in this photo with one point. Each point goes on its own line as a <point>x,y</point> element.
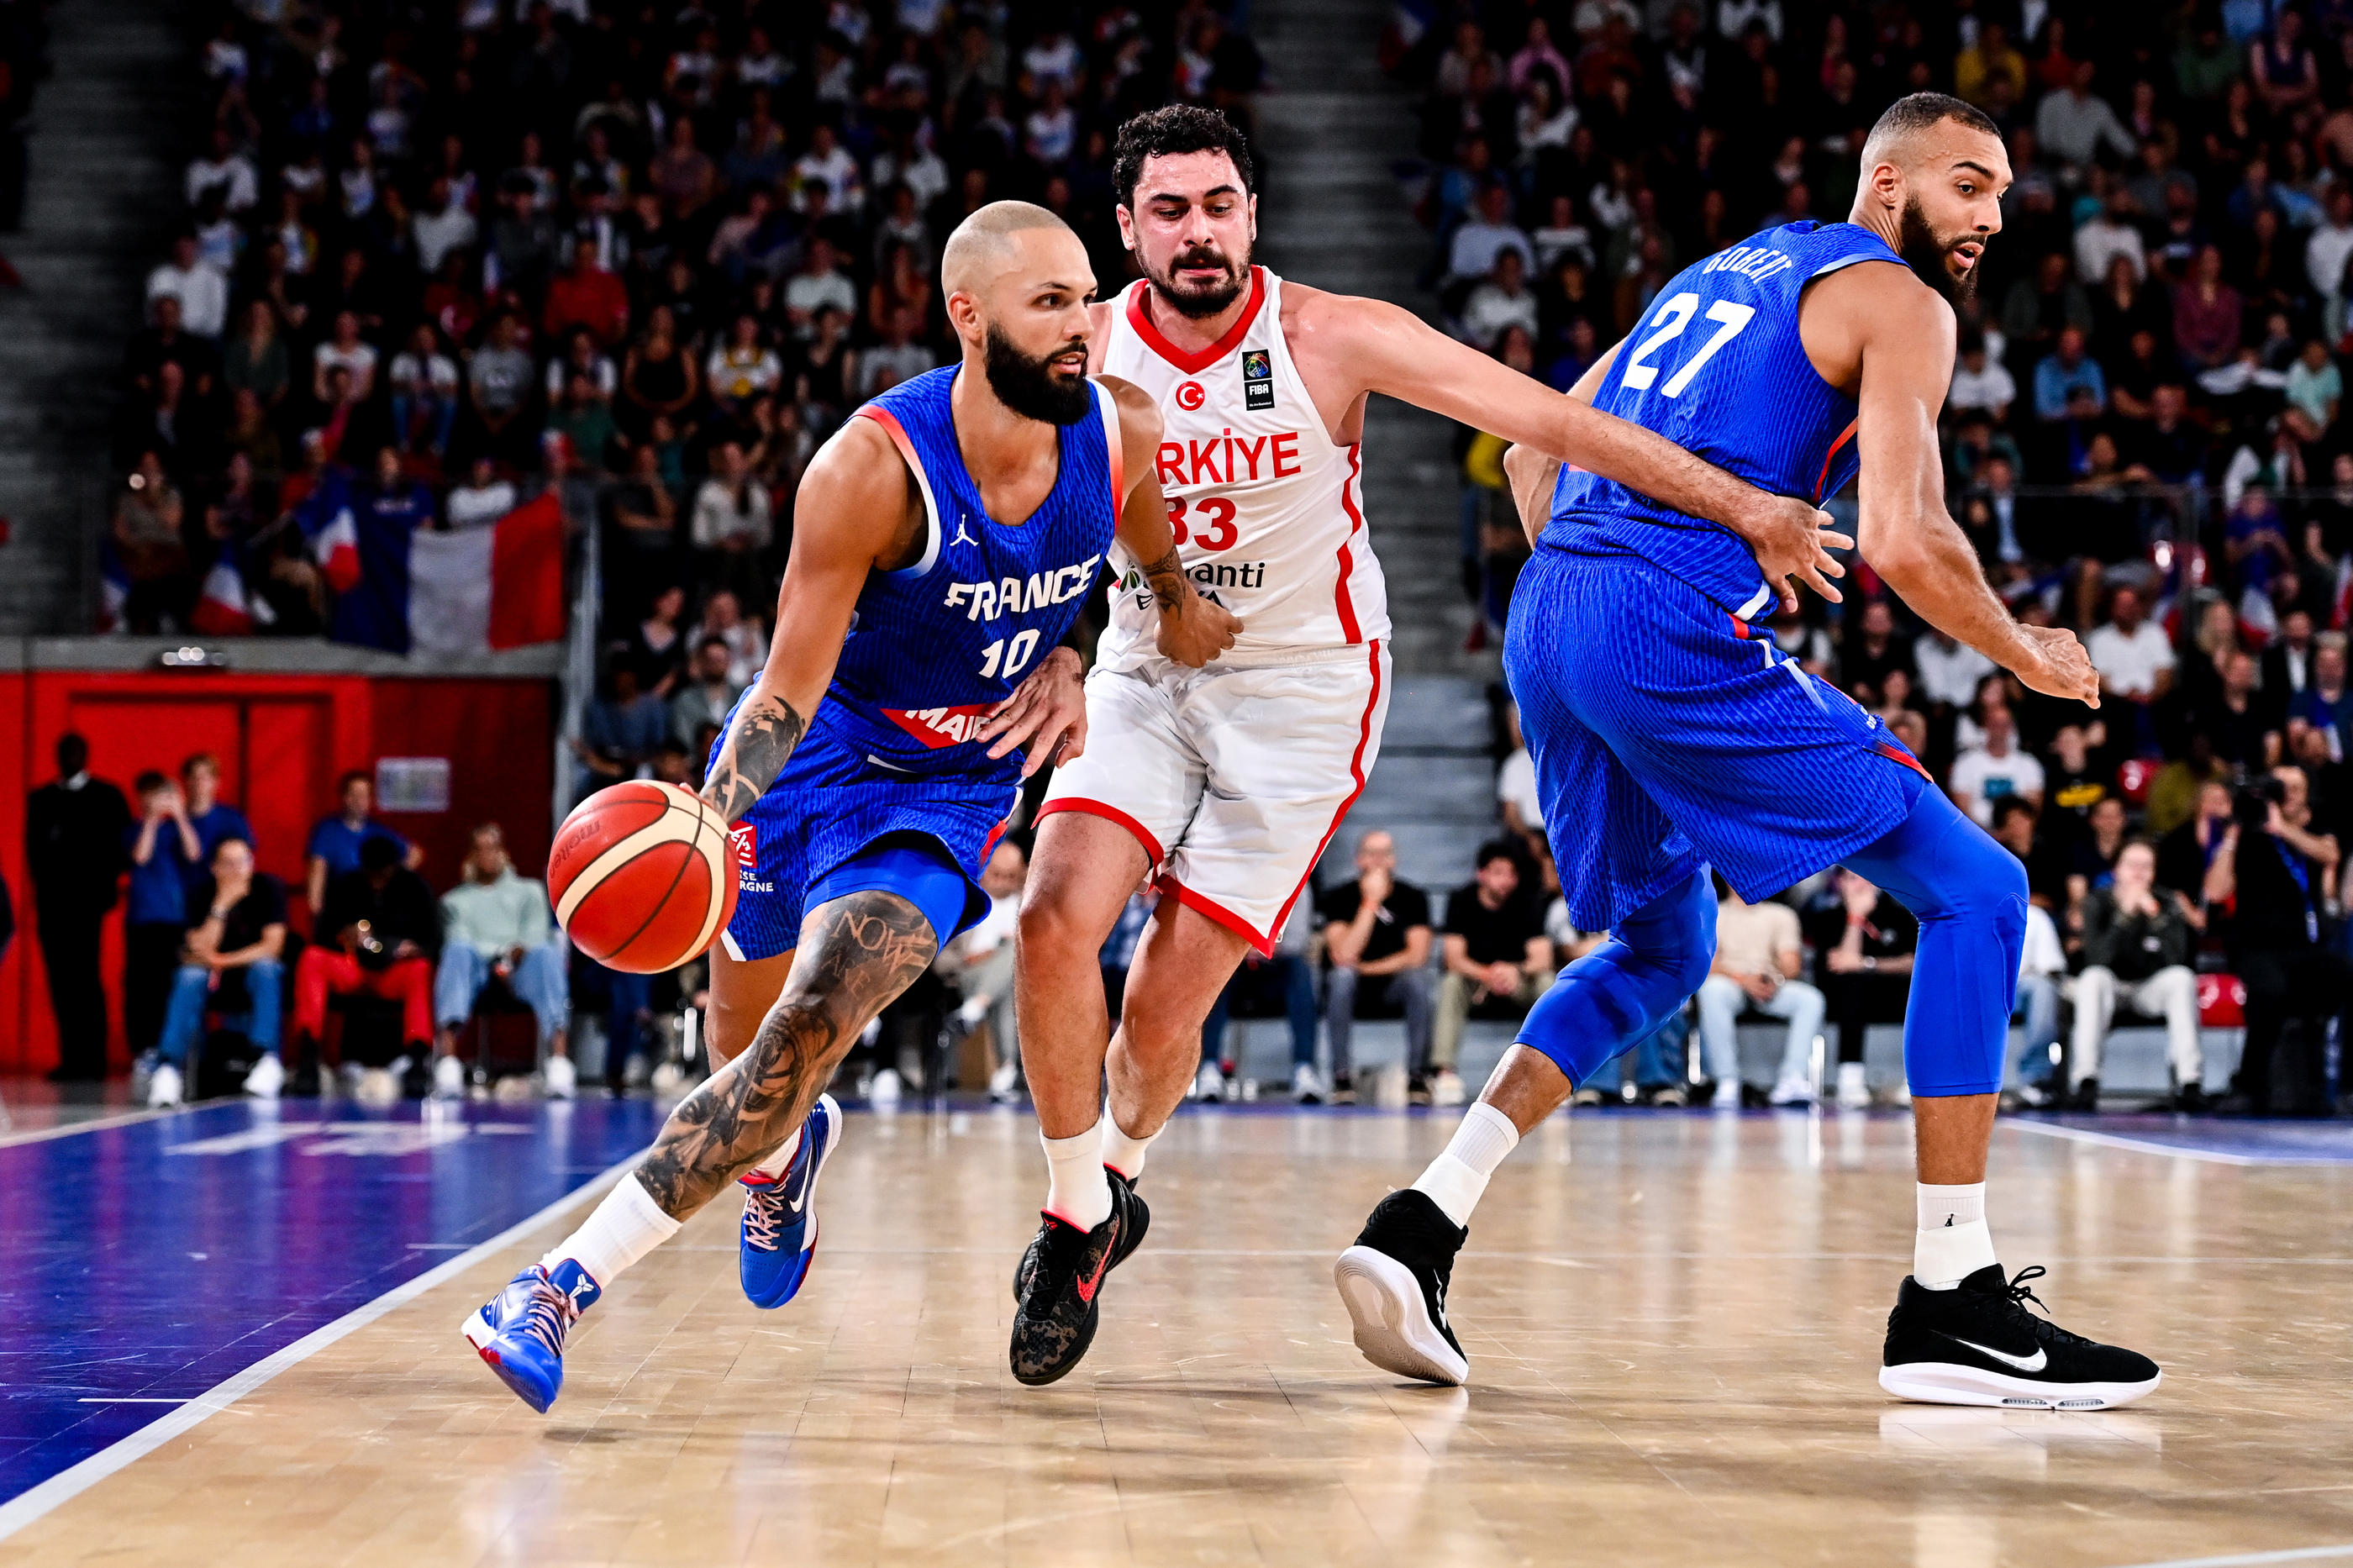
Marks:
<point>1334,131</point>
<point>102,194</point>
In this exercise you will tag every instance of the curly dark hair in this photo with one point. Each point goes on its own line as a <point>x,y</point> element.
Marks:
<point>1171,129</point>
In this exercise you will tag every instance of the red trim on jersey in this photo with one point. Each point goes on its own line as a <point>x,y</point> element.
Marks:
<point>1109,814</point>
<point>1194,362</point>
<point>1356,771</point>
<point>898,432</point>
<point>1832,455</point>
<point>1740,626</point>
<point>1118,462</point>
<point>988,847</point>
<point>1225,917</point>
<point>1898,755</point>
<point>1342,601</point>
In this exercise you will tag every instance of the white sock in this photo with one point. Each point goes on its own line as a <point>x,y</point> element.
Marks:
<point>625,1226</point>
<point>1457,1177</point>
<point>1952,1242</point>
<point>1076,1188</point>
<point>772,1167</point>
<point>1120,1152</point>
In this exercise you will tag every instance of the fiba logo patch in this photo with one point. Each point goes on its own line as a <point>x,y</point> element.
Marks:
<point>1190,396</point>
<point>1258,379</point>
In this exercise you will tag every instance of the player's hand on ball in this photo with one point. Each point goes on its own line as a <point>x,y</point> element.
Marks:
<point>2056,665</point>
<point>1792,541</point>
<point>1046,715</point>
<point>1198,631</point>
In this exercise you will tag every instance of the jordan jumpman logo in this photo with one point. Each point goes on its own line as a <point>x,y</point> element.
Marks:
<point>961,536</point>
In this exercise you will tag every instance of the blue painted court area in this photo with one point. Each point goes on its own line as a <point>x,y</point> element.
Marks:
<point>141,1264</point>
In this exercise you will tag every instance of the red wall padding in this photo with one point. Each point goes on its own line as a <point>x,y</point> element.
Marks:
<point>282,741</point>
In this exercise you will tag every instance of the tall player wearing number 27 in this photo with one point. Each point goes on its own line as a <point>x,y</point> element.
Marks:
<point>1669,735</point>
<point>945,542</point>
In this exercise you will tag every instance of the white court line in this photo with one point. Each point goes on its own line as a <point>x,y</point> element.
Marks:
<point>24,1507</point>
<point>2248,1559</point>
<point>2174,1150</point>
<point>101,1123</point>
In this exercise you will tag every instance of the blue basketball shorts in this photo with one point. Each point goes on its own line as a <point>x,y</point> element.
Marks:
<point>1668,733</point>
<point>809,839</point>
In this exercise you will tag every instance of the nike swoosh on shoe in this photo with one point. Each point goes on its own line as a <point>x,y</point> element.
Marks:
<point>2035,1362</point>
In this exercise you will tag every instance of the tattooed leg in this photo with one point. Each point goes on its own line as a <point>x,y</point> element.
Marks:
<point>855,955</point>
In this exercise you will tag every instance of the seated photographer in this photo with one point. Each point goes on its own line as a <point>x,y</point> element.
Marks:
<point>1376,942</point>
<point>495,922</point>
<point>1497,961</point>
<point>1864,942</point>
<point>376,933</point>
<point>2273,873</point>
<point>1759,958</point>
<point>2137,946</point>
<point>232,962</point>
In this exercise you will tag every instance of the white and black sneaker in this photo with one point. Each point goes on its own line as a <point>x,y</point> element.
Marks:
<point>1978,1344</point>
<point>1393,1282</point>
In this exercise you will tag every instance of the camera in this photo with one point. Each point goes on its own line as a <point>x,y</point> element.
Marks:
<point>2251,803</point>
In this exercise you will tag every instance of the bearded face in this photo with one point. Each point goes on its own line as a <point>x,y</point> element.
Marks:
<point>1201,280</point>
<point>1938,259</point>
<point>1051,387</point>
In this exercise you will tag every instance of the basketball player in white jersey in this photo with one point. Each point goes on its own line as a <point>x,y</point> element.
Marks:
<point>1224,784</point>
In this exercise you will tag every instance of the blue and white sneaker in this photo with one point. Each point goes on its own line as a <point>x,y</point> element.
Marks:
<point>778,1239</point>
<point>520,1332</point>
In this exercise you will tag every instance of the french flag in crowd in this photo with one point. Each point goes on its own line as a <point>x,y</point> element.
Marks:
<point>336,547</point>
<point>473,590</point>
<point>223,607</point>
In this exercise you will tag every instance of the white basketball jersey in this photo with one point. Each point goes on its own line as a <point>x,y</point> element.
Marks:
<point>1268,509</point>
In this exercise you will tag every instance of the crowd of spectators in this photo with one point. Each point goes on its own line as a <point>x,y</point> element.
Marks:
<point>2144,440</point>
<point>435,258</point>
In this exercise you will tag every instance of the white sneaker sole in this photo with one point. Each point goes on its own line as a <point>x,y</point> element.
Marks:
<point>1393,1326</point>
<point>477,1330</point>
<point>1943,1382</point>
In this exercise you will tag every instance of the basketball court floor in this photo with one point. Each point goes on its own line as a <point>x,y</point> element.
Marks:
<point>229,1334</point>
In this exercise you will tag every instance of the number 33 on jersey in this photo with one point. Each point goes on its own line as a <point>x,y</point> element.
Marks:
<point>1267,509</point>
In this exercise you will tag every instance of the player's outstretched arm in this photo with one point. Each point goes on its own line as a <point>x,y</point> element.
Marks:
<point>1193,631</point>
<point>1399,353</point>
<point>1906,335</point>
<point>852,512</point>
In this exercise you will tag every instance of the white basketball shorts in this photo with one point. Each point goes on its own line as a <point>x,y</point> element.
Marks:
<point>1232,779</point>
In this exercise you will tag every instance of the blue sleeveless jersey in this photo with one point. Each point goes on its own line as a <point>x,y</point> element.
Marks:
<point>1716,366</point>
<point>934,647</point>
<point>1668,730</point>
<point>893,754</point>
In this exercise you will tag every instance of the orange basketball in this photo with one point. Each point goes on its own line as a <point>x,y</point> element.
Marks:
<point>643,875</point>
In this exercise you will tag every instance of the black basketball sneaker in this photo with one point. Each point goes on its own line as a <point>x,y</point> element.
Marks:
<point>1393,1282</point>
<point>1127,1243</point>
<point>1978,1344</point>
<point>1061,1281</point>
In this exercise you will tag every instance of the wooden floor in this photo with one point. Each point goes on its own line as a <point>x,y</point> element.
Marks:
<point>1672,1336</point>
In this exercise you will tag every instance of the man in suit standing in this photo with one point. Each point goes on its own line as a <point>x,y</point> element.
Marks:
<point>74,831</point>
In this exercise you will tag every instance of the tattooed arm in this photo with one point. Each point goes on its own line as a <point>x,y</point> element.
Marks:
<point>857,508</point>
<point>1193,630</point>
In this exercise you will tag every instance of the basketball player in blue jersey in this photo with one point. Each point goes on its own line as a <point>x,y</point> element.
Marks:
<point>945,539</point>
<point>1670,736</point>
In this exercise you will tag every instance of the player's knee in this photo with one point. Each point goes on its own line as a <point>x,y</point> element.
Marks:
<point>1673,938</point>
<point>1051,934</point>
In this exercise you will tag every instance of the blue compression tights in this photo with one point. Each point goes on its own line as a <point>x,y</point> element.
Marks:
<point>1969,893</point>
